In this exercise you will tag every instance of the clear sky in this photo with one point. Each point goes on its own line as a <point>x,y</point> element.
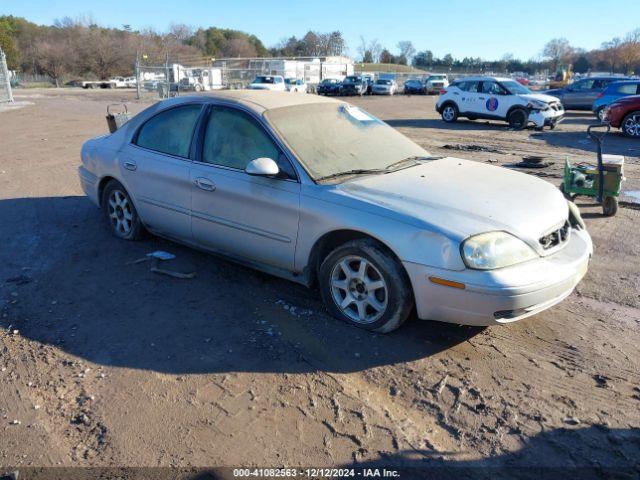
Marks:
<point>485,28</point>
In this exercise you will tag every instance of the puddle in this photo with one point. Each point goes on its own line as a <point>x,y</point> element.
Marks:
<point>633,194</point>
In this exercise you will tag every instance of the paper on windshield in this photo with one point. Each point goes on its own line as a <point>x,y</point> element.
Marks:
<point>357,114</point>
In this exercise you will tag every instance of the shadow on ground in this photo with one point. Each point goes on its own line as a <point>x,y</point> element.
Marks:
<point>70,284</point>
<point>594,452</point>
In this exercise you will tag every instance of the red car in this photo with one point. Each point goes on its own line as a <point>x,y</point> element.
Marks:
<point>624,114</point>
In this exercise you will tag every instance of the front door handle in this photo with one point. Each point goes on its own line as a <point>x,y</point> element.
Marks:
<point>205,184</point>
<point>130,165</point>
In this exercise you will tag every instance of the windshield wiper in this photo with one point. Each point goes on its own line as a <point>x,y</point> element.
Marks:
<point>415,160</point>
<point>357,171</point>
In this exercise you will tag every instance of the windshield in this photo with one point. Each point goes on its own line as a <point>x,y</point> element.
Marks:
<point>264,80</point>
<point>437,77</point>
<point>353,80</point>
<point>330,138</point>
<point>383,82</point>
<point>515,88</point>
<point>290,81</point>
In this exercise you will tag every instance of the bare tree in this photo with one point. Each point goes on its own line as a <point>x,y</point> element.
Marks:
<point>53,59</point>
<point>407,50</point>
<point>239,48</point>
<point>558,51</point>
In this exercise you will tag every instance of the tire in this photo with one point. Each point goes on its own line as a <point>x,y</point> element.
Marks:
<point>600,114</point>
<point>449,112</point>
<point>376,287</point>
<point>120,212</point>
<point>631,125</point>
<point>610,206</point>
<point>198,88</point>
<point>518,119</point>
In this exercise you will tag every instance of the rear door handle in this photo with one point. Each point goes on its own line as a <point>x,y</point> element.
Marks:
<point>205,184</point>
<point>130,165</point>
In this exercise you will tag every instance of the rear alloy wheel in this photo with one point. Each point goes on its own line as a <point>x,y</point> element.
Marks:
<point>518,119</point>
<point>362,284</point>
<point>120,212</point>
<point>631,125</point>
<point>449,113</point>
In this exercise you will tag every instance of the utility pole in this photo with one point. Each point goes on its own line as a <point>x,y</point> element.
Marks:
<point>138,79</point>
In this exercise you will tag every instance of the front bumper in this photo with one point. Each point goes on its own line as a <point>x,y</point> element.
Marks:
<point>504,295</point>
<point>546,118</point>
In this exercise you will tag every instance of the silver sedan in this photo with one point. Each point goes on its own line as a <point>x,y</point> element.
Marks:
<point>321,192</point>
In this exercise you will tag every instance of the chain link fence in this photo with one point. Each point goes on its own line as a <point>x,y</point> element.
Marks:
<point>5,80</point>
<point>162,77</point>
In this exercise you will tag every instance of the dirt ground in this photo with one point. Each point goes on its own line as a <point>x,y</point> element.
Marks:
<point>104,363</point>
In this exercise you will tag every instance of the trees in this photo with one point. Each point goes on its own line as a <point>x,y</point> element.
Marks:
<point>557,51</point>
<point>423,59</point>
<point>407,51</point>
<point>8,46</point>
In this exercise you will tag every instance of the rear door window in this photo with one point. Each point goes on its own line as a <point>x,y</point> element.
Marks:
<point>170,131</point>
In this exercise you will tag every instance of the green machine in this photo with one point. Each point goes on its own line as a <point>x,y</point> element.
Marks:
<point>602,181</point>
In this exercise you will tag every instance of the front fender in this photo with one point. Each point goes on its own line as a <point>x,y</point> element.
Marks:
<point>409,242</point>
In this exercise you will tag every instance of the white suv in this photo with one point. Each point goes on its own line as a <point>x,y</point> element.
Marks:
<point>268,82</point>
<point>498,99</point>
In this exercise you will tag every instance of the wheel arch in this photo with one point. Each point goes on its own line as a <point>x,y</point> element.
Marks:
<point>102,184</point>
<point>329,241</point>
<point>516,107</point>
<point>448,102</point>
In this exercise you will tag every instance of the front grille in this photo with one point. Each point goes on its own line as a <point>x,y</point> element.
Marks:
<point>556,238</point>
<point>556,106</point>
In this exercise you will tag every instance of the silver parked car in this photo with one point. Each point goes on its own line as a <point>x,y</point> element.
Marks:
<point>320,192</point>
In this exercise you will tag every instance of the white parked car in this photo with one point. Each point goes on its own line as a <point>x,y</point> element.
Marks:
<point>435,83</point>
<point>130,82</point>
<point>384,86</point>
<point>295,85</point>
<point>497,98</point>
<point>322,193</point>
<point>268,82</point>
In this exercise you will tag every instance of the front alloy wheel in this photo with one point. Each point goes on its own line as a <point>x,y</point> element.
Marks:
<point>358,289</point>
<point>362,283</point>
<point>631,125</point>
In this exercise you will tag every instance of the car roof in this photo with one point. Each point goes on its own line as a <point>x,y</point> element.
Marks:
<point>479,78</point>
<point>258,100</point>
<point>623,82</point>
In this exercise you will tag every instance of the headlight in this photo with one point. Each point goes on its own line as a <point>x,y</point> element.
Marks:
<point>537,105</point>
<point>495,250</point>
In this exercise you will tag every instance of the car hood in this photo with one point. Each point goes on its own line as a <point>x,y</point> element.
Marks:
<point>460,198</point>
<point>542,97</point>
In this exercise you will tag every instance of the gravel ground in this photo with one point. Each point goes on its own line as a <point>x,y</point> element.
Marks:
<point>105,364</point>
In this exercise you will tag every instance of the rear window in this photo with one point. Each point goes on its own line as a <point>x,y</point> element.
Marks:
<point>170,131</point>
<point>627,88</point>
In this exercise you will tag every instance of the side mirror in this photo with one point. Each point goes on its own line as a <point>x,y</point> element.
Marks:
<point>262,167</point>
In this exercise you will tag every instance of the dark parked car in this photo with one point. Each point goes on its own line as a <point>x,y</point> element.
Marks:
<point>624,114</point>
<point>414,86</point>
<point>355,85</point>
<point>329,86</point>
<point>581,94</point>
